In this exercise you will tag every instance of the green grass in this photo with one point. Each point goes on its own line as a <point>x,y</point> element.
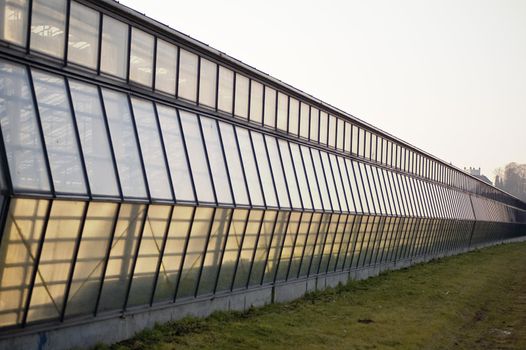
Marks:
<point>471,301</point>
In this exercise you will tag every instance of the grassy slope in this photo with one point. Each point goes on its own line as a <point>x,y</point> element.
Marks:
<point>472,301</point>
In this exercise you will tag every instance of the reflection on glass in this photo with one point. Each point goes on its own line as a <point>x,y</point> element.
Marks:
<point>83,35</point>
<point>187,75</point>
<point>48,22</point>
<point>207,83</point>
<point>124,144</point>
<point>114,50</point>
<point>94,139</point>
<point>20,238</point>
<point>289,240</point>
<point>241,98</point>
<point>216,158</point>
<point>55,262</point>
<point>96,236</point>
<point>226,90</point>
<point>197,157</point>
<point>166,67</point>
<point>59,133</point>
<point>276,245</point>
<point>262,246</point>
<point>177,162</point>
<point>141,57</point>
<point>13,21</point>
<point>151,148</point>
<point>20,130</point>
<point>256,102</point>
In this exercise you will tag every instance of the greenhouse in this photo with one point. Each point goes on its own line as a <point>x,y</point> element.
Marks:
<point>143,171</point>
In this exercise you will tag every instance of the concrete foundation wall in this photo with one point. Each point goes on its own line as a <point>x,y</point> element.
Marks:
<point>123,326</point>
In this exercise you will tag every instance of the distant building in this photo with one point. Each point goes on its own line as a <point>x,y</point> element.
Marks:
<point>476,172</point>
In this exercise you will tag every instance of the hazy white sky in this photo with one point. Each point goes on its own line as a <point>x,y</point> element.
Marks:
<point>448,76</point>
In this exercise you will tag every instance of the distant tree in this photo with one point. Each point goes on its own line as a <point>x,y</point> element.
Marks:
<point>512,179</point>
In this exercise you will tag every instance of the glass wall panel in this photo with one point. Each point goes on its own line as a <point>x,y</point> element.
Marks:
<point>116,277</point>
<point>62,231</point>
<point>299,245</point>
<point>289,239</point>
<point>187,75</point>
<point>179,228</point>
<point>303,183</point>
<point>338,182</point>
<point>283,107</point>
<point>234,166</point>
<point>124,144</point>
<point>332,131</point>
<point>20,241</point>
<point>277,170</point>
<point>233,244</point>
<point>275,246</point>
<point>13,23</point>
<point>315,248</point>
<point>48,23</point>
<point>141,57</point>
<point>114,49</point>
<point>207,83</point>
<point>324,127</point>
<point>175,152</point>
<point>322,181</point>
<point>311,176</point>
<point>333,195</point>
<point>327,245</point>
<point>263,242</point>
<point>59,133</point>
<point>289,174</point>
<point>96,236</point>
<point>226,90</point>
<point>83,38</point>
<point>267,182</point>
<point>152,149</point>
<point>213,257</point>
<point>340,134</point>
<point>149,254</point>
<point>356,185</point>
<point>304,120</point>
<point>217,160</point>
<point>359,170</point>
<point>355,141</point>
<point>241,98</point>
<point>294,116</point>
<point>166,67</point>
<point>249,166</point>
<point>195,250</point>
<point>248,247</point>
<point>269,112</point>
<point>373,146</point>
<point>20,130</point>
<point>94,139</point>
<point>198,157</point>
<point>314,124</point>
<point>256,102</point>
<point>352,197</point>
